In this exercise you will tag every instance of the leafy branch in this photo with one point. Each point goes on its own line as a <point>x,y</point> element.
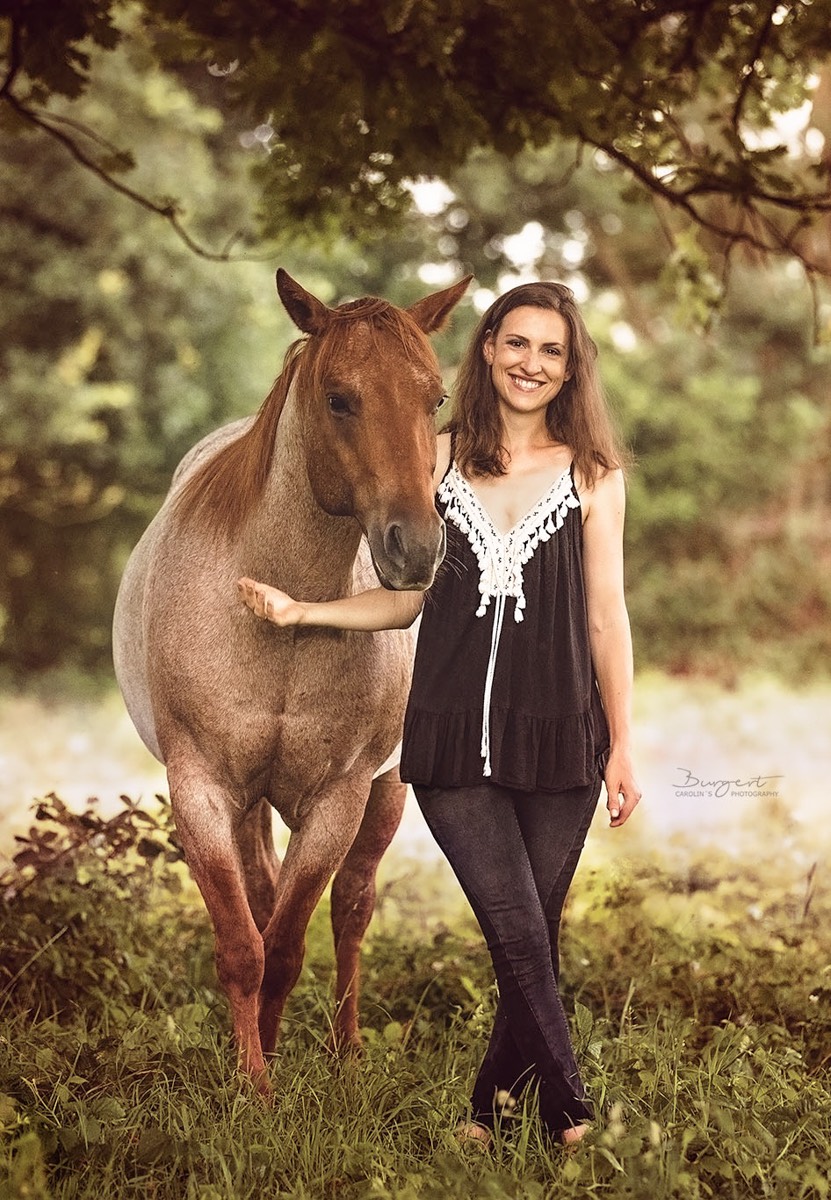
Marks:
<point>169,210</point>
<point>412,89</point>
<point>60,837</point>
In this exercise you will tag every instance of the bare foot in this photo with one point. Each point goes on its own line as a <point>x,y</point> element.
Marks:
<point>573,1135</point>
<point>472,1133</point>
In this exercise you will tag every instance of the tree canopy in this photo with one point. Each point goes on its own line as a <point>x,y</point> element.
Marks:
<point>346,101</point>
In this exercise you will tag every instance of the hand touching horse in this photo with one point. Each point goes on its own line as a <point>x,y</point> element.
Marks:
<point>247,717</point>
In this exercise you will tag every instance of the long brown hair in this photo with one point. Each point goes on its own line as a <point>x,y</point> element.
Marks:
<point>578,416</point>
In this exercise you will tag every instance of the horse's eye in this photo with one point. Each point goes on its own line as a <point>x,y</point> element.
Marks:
<point>338,405</point>
<point>440,403</point>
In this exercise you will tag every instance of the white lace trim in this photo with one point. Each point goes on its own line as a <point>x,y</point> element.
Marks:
<point>502,557</point>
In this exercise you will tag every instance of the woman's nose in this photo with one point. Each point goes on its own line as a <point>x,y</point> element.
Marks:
<point>531,361</point>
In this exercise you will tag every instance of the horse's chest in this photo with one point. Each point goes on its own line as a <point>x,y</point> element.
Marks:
<point>327,668</point>
<point>342,699</point>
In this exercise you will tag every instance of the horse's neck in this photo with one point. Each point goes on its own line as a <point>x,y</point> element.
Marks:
<point>290,541</point>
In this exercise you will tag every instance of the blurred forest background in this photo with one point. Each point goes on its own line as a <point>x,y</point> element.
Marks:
<point>120,346</point>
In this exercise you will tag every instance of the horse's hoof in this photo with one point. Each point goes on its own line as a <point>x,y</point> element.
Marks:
<point>260,1084</point>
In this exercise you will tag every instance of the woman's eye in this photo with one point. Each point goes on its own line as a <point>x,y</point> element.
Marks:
<point>338,405</point>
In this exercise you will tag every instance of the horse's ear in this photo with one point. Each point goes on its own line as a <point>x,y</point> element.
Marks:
<point>432,312</point>
<point>308,313</point>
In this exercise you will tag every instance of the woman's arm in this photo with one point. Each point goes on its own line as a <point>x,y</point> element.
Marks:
<point>368,611</point>
<point>610,636</point>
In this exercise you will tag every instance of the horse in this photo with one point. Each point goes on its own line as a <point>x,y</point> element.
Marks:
<point>326,491</point>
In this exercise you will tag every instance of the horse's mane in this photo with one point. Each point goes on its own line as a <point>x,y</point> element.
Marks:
<point>221,493</point>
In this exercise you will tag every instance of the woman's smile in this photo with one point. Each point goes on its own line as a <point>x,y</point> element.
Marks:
<point>526,385</point>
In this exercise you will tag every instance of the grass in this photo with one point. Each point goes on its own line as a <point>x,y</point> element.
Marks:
<point>701,1001</point>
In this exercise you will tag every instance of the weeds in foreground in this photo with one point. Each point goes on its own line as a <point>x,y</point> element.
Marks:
<point>702,1014</point>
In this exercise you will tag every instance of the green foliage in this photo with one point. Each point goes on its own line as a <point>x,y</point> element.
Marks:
<point>118,352</point>
<point>674,94</point>
<point>727,546</point>
<point>119,348</point>
<point>702,1012</point>
<point>88,865</point>
<point>731,437</point>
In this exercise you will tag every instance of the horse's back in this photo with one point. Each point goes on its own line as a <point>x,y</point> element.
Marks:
<point>135,593</point>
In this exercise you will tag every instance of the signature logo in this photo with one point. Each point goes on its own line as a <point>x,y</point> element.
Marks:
<point>690,784</point>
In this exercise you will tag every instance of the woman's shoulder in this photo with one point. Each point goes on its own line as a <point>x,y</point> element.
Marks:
<point>444,448</point>
<point>605,478</point>
<point>607,491</point>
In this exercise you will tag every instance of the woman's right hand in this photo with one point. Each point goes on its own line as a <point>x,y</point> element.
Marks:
<point>269,603</point>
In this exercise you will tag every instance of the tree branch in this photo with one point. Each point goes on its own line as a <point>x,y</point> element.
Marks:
<point>747,80</point>
<point>92,134</point>
<point>682,199</point>
<point>816,302</point>
<point>48,123</point>
<point>14,58</point>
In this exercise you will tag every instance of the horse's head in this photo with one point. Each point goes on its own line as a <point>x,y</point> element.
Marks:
<point>369,385</point>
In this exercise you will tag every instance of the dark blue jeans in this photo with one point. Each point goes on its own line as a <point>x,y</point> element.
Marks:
<point>515,854</point>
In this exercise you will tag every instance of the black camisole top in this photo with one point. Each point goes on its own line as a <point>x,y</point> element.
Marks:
<point>503,687</point>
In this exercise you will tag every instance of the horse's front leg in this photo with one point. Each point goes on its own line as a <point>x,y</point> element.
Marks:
<point>204,813</point>
<point>353,900</point>
<point>314,853</point>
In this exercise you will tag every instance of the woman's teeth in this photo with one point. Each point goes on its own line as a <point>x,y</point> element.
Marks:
<point>527,385</point>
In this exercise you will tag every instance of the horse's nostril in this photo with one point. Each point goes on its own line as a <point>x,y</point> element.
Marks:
<point>394,543</point>
<point>406,556</point>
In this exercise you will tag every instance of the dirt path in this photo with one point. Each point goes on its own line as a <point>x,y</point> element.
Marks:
<point>739,769</point>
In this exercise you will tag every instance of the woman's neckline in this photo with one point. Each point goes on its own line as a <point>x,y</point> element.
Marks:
<point>532,511</point>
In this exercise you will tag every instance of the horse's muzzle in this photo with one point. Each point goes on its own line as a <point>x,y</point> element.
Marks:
<point>406,559</point>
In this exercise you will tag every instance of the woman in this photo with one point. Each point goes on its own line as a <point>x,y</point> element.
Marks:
<point>521,694</point>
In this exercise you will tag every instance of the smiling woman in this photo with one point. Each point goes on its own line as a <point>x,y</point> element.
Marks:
<point>520,701</point>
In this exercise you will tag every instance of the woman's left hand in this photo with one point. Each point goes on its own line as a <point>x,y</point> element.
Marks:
<point>622,792</point>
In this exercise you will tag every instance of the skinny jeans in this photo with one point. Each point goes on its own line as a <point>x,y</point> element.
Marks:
<point>515,854</point>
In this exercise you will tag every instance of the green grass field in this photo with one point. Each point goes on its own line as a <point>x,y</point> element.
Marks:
<point>700,997</point>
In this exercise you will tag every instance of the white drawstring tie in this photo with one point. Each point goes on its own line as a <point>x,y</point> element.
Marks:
<point>498,613</point>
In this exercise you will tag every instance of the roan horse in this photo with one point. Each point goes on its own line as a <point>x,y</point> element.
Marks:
<point>247,716</point>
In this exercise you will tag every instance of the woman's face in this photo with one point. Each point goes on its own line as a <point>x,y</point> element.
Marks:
<point>529,358</point>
